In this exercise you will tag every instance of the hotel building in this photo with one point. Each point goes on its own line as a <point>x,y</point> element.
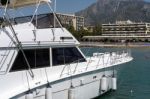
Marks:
<point>126,28</point>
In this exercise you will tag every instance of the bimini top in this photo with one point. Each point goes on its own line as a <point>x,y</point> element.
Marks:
<point>21,3</point>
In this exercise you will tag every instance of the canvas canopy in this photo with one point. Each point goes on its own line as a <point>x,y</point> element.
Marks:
<point>21,3</point>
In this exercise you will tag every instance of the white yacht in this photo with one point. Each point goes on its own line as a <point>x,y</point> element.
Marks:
<point>41,62</point>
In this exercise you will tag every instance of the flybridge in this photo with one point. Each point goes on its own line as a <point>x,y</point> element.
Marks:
<point>21,3</point>
<point>27,30</point>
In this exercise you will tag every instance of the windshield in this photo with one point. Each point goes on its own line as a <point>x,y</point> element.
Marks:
<point>39,21</point>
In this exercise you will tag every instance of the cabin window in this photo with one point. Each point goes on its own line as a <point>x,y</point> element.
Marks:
<point>37,58</point>
<point>42,58</point>
<point>66,55</point>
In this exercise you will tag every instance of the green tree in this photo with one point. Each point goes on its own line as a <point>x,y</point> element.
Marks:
<point>97,30</point>
<point>70,28</point>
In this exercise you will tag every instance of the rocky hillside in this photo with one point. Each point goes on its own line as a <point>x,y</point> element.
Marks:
<point>110,11</point>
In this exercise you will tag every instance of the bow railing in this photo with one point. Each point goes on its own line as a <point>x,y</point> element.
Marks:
<point>102,60</point>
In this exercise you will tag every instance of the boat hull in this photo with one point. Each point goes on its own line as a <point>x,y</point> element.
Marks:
<point>82,86</point>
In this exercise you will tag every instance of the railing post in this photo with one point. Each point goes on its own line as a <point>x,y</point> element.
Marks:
<point>75,67</point>
<point>62,70</point>
<point>88,63</point>
<point>98,62</point>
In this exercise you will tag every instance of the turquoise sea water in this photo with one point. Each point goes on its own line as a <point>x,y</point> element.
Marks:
<point>133,77</point>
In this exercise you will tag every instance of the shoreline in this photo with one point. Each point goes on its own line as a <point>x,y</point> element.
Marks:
<point>115,45</point>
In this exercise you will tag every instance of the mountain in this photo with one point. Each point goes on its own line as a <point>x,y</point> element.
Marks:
<point>110,11</point>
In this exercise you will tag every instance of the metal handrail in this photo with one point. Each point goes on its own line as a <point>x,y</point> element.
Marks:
<point>5,53</point>
<point>88,63</point>
<point>99,61</point>
<point>111,59</point>
<point>76,61</point>
<point>60,41</point>
<point>2,62</point>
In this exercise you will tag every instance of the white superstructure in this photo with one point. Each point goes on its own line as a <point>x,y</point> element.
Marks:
<point>46,63</point>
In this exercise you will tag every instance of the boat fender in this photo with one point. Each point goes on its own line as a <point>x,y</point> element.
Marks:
<point>29,96</point>
<point>104,84</point>
<point>114,83</point>
<point>48,93</point>
<point>71,93</point>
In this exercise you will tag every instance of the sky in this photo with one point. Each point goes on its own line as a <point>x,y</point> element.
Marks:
<point>72,6</point>
<point>63,6</point>
<point>147,0</point>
